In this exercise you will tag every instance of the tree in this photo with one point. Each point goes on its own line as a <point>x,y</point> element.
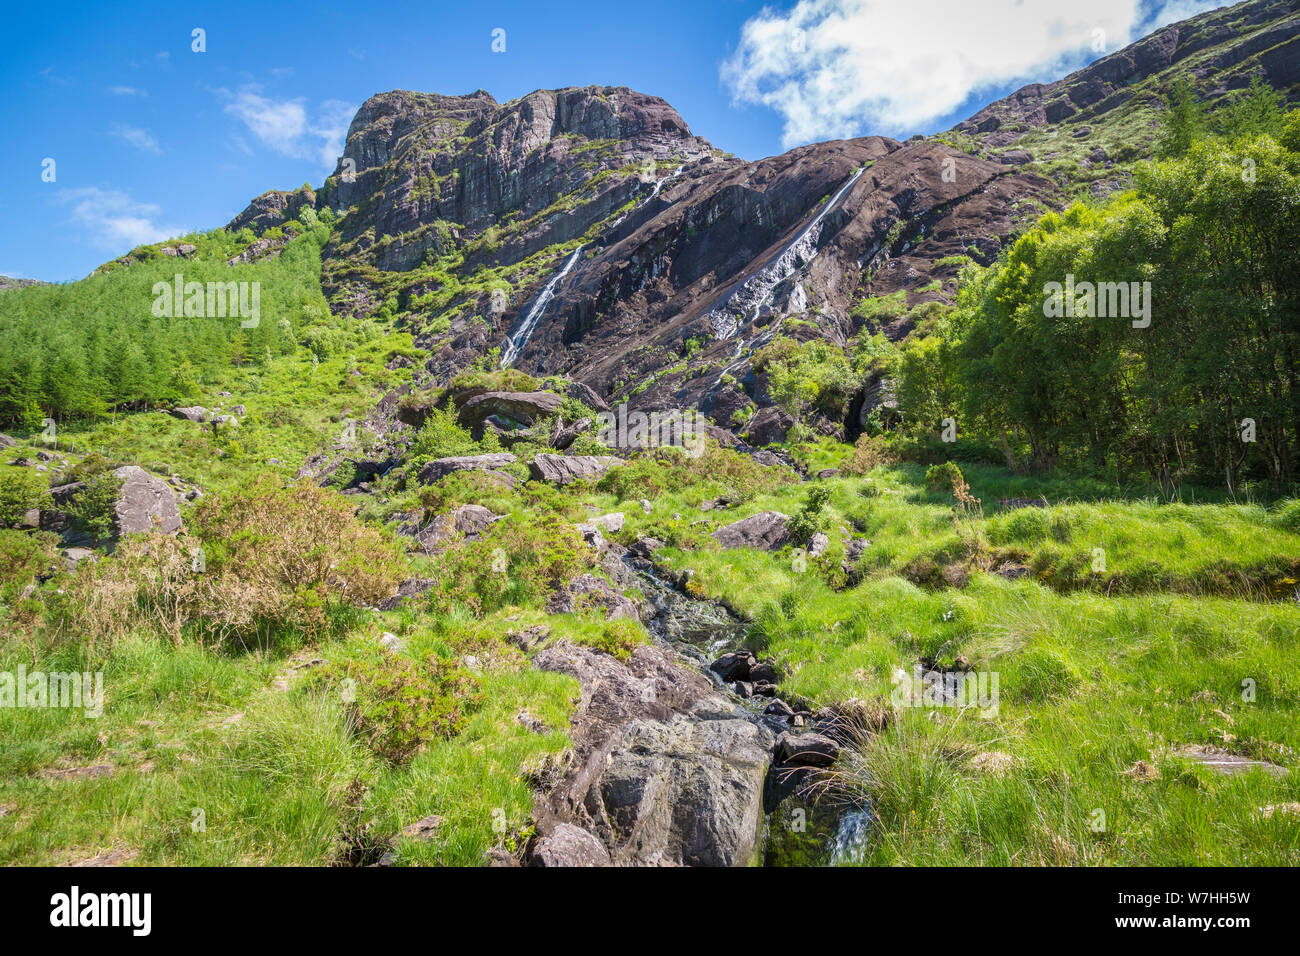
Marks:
<point>1183,121</point>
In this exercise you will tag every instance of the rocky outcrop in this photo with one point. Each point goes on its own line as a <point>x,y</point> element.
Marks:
<point>145,503</point>
<point>765,531</point>
<point>442,467</point>
<point>523,408</point>
<point>588,591</point>
<point>191,413</point>
<point>467,521</point>
<point>565,469</point>
<point>665,772</point>
<point>273,208</point>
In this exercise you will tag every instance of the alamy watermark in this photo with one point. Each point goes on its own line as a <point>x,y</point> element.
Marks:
<point>215,300</point>
<point>935,688</point>
<point>53,689</point>
<point>1124,300</point>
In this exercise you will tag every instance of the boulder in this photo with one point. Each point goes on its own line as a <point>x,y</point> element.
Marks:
<point>818,544</point>
<point>145,503</point>
<point>768,425</point>
<point>567,845</point>
<point>522,407</point>
<point>810,750</point>
<point>6,441</point>
<point>765,531</point>
<point>610,524</point>
<point>588,591</point>
<point>191,413</point>
<point>442,467</point>
<point>664,773</point>
<point>566,436</point>
<point>467,520</point>
<point>564,469</point>
<point>587,395</point>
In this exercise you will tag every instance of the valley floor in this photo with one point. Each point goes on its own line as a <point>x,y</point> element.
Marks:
<point>1148,683</point>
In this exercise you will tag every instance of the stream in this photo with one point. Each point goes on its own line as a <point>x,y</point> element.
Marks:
<point>798,832</point>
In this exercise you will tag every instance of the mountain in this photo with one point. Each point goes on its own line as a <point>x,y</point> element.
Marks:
<point>588,232</point>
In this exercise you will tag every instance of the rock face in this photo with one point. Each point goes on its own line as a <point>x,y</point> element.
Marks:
<point>522,407</point>
<point>442,467</point>
<point>272,208</point>
<point>564,469</point>
<point>469,521</point>
<point>765,531</point>
<point>145,503</point>
<point>665,772</point>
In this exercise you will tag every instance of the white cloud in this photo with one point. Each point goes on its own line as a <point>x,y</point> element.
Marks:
<point>127,91</point>
<point>139,138</point>
<point>836,68</point>
<point>286,127</point>
<point>113,220</point>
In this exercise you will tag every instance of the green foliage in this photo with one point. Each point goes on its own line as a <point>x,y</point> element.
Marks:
<point>812,517</point>
<point>439,437</point>
<point>814,375</point>
<point>1259,111</point>
<point>399,705</point>
<point>95,506</point>
<point>80,349</point>
<point>943,477</point>
<point>21,490</point>
<point>1183,121</point>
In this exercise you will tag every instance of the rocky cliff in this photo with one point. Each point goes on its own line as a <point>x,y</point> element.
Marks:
<point>588,232</point>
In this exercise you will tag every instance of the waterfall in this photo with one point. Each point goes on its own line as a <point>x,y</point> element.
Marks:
<point>744,303</point>
<point>516,342</point>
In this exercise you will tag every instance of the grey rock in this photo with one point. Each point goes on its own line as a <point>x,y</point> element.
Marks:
<point>765,531</point>
<point>442,467</point>
<point>589,591</point>
<point>191,413</point>
<point>567,845</point>
<point>522,407</point>
<point>665,773</point>
<point>818,544</point>
<point>145,503</point>
<point>812,750</point>
<point>565,469</point>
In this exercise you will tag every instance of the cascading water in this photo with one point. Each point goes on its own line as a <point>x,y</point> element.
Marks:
<point>516,342</point>
<point>745,303</point>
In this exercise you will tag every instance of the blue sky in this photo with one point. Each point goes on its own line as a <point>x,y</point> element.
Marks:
<point>150,139</point>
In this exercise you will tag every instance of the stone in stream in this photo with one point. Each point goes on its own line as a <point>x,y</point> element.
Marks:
<point>665,770</point>
<point>813,750</point>
<point>734,666</point>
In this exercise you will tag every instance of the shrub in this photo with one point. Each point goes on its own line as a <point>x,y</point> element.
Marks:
<point>275,560</point>
<point>943,477</point>
<point>812,517</point>
<point>398,704</point>
<point>439,437</point>
<point>21,490</point>
<point>868,452</point>
<point>95,506</point>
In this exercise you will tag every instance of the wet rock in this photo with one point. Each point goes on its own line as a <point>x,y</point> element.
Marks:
<point>809,749</point>
<point>765,531</point>
<point>442,467</point>
<point>565,469</point>
<point>779,708</point>
<point>588,591</point>
<point>734,666</point>
<point>665,772</point>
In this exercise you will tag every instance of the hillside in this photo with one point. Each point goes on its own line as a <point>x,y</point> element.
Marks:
<point>549,488</point>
